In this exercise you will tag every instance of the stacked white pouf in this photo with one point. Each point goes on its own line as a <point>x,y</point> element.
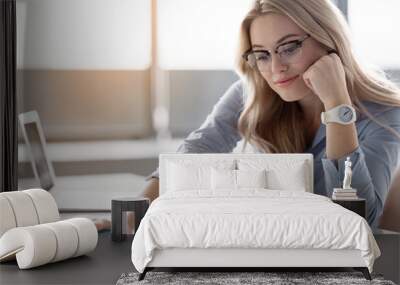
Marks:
<point>31,230</point>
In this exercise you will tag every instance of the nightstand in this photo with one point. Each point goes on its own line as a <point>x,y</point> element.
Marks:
<point>358,206</point>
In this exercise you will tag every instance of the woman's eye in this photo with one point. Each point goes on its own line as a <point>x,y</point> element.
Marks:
<point>290,48</point>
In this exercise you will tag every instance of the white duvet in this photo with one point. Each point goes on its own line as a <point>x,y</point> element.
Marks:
<point>250,219</point>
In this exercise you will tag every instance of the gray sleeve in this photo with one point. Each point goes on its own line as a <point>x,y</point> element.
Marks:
<point>219,132</point>
<point>373,165</point>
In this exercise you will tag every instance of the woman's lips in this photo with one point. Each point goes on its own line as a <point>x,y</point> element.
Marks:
<point>286,83</point>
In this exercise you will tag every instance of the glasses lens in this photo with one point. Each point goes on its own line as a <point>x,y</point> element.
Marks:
<point>290,53</point>
<point>259,60</point>
<point>251,60</point>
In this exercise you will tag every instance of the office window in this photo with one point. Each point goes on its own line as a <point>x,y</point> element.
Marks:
<point>199,34</point>
<point>83,65</point>
<point>374,26</point>
<point>84,34</point>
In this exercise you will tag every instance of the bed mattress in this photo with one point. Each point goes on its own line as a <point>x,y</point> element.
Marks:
<point>250,219</point>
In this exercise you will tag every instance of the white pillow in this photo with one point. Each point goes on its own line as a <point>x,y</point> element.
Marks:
<point>251,178</point>
<point>181,177</point>
<point>188,175</point>
<point>291,180</point>
<point>282,174</point>
<point>225,179</point>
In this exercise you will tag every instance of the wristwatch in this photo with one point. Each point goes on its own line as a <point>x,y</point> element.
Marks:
<point>342,114</point>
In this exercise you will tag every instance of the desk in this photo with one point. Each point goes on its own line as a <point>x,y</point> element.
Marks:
<point>102,266</point>
<point>90,192</point>
<point>104,150</point>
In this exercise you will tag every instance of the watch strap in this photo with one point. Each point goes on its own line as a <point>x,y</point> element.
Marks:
<point>336,115</point>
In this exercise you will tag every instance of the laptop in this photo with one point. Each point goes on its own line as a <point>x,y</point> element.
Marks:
<point>79,193</point>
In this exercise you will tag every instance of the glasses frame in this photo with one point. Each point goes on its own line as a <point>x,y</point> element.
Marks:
<point>300,41</point>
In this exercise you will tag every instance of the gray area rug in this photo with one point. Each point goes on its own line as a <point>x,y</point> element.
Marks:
<point>229,278</point>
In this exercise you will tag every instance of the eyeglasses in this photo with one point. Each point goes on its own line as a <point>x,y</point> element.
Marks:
<point>289,52</point>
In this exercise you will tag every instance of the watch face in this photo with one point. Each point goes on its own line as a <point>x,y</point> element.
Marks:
<point>345,114</point>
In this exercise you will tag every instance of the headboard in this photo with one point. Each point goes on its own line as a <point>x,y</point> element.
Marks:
<point>276,161</point>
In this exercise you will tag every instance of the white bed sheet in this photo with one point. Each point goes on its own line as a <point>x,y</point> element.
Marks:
<point>252,218</point>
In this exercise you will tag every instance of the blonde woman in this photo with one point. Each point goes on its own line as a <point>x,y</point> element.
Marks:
<point>302,90</point>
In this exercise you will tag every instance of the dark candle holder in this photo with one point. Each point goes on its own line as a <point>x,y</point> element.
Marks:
<point>126,212</point>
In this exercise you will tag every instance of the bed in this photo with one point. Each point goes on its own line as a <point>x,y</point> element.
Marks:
<point>245,211</point>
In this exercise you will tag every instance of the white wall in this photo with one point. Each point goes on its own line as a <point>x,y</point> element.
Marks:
<point>84,34</point>
<point>199,34</point>
<point>375,30</point>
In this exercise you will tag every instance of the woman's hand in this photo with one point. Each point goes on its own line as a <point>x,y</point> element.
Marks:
<point>326,78</point>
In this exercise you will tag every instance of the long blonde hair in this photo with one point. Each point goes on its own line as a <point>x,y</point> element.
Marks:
<point>273,125</point>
